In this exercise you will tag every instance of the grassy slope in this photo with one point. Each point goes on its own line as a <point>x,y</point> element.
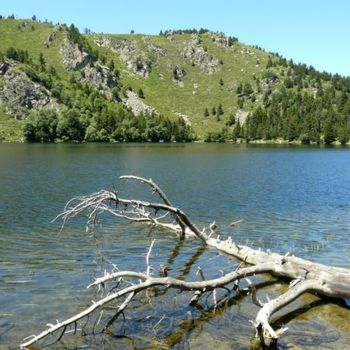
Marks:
<point>169,98</point>
<point>10,129</point>
<point>240,64</point>
<point>34,41</point>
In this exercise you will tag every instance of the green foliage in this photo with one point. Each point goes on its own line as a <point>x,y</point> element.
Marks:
<point>75,37</point>
<point>231,40</point>
<point>286,100</point>
<point>41,126</point>
<point>329,134</point>
<point>219,110</point>
<point>293,116</point>
<point>183,31</point>
<point>237,132</point>
<point>70,127</point>
<point>231,121</point>
<point>107,123</point>
<point>140,93</point>
<point>247,89</point>
<point>17,55</point>
<point>217,136</point>
<point>42,62</point>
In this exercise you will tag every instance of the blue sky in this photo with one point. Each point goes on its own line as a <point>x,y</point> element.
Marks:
<point>314,32</point>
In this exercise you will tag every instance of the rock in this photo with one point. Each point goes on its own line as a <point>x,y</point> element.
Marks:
<point>136,105</point>
<point>135,59</point>
<point>184,117</point>
<point>241,116</point>
<point>100,77</point>
<point>4,66</point>
<point>159,51</point>
<point>178,72</point>
<point>219,39</point>
<point>170,37</point>
<point>198,56</point>
<point>20,94</point>
<point>72,56</point>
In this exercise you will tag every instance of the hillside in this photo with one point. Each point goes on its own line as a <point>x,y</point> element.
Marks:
<point>56,84</point>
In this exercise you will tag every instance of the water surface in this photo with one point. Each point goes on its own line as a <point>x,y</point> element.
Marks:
<point>292,199</point>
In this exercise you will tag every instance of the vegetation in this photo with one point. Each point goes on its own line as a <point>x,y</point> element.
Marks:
<point>282,100</point>
<point>110,125</point>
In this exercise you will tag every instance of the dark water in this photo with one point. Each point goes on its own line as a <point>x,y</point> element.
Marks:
<point>290,199</point>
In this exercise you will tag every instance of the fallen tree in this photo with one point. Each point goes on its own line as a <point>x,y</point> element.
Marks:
<point>305,276</point>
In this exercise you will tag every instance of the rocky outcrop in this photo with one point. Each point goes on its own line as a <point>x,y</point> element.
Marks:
<point>4,66</point>
<point>156,49</point>
<point>185,118</point>
<point>72,56</point>
<point>53,35</point>
<point>178,73</point>
<point>219,39</point>
<point>19,94</point>
<point>198,56</point>
<point>100,77</point>
<point>135,59</point>
<point>137,106</point>
<point>241,116</point>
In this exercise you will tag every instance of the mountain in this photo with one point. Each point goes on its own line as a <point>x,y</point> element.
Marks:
<point>57,84</point>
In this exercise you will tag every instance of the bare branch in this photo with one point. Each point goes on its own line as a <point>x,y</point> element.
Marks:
<point>158,190</point>
<point>262,322</point>
<point>147,258</point>
<point>306,276</point>
<point>148,282</point>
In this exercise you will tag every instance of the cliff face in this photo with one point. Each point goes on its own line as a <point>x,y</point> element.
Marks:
<point>19,94</point>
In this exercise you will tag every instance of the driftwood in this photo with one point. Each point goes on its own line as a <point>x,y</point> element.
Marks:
<point>305,276</point>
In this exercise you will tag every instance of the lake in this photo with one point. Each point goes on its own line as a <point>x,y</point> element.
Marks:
<point>289,198</point>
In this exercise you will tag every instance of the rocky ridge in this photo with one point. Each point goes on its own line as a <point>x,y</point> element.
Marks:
<point>19,93</point>
<point>100,77</point>
<point>72,56</point>
<point>197,54</point>
<point>135,59</point>
<point>219,39</point>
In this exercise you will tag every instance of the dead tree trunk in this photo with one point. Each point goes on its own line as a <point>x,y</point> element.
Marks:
<point>305,275</point>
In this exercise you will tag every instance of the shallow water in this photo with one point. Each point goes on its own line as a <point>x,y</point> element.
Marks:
<point>290,199</point>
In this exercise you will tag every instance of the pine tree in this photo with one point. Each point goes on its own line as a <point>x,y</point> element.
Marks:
<point>220,110</point>
<point>42,61</point>
<point>140,93</point>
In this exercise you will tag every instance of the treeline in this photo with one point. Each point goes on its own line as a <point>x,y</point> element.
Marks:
<point>292,115</point>
<point>183,31</point>
<point>115,125</point>
<point>230,39</point>
<point>293,102</point>
<point>308,105</point>
<point>299,72</point>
